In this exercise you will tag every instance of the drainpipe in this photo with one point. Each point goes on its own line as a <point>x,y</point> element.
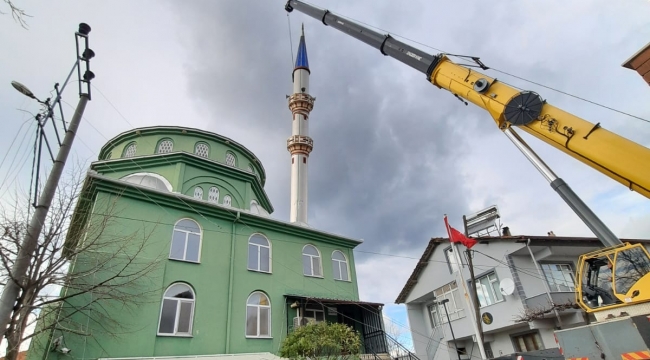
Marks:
<point>230,282</point>
<point>548,290</point>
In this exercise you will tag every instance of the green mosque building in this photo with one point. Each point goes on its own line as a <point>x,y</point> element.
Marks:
<point>230,279</point>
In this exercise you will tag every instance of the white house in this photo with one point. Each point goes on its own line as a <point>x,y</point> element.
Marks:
<point>539,267</point>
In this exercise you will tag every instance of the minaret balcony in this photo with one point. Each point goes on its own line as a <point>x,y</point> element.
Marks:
<point>301,101</point>
<point>300,143</point>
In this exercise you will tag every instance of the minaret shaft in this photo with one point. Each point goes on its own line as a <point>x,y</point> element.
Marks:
<point>299,143</point>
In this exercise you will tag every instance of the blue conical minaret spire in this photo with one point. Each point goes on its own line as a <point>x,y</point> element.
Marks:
<point>301,57</point>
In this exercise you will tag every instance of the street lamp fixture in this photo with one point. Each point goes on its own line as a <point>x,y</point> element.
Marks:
<point>23,89</point>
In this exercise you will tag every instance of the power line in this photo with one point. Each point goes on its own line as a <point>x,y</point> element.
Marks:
<point>502,72</point>
<point>294,259</point>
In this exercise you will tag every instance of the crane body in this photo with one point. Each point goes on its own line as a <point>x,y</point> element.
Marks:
<point>619,158</point>
<point>613,155</point>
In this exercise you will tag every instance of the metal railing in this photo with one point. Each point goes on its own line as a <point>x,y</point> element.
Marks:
<point>378,342</point>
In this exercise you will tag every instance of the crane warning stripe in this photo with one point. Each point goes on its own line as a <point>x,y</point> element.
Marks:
<point>637,355</point>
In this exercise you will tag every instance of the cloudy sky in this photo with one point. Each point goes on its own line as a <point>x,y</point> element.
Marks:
<point>392,153</point>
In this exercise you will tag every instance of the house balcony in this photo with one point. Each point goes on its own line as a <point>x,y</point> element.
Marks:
<point>542,301</point>
<point>539,307</point>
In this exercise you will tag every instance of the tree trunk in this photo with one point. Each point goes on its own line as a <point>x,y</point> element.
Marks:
<point>13,346</point>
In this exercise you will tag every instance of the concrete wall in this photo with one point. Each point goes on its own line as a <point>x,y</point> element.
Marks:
<point>493,257</point>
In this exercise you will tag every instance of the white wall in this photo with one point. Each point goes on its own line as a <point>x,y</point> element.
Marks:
<point>488,257</point>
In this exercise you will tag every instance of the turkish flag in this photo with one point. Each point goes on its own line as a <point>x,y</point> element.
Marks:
<point>456,236</point>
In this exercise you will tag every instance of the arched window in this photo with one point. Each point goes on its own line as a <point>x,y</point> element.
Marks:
<point>151,180</point>
<point>213,194</point>
<point>231,160</point>
<point>186,241</point>
<point>227,201</point>
<point>202,149</point>
<point>129,150</point>
<point>251,169</point>
<point>108,156</point>
<point>198,192</point>
<point>177,311</point>
<point>258,315</point>
<point>165,146</point>
<point>255,207</point>
<point>340,266</point>
<point>259,253</point>
<point>311,264</point>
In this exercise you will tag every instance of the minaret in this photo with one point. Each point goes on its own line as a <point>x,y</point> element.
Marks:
<point>300,144</point>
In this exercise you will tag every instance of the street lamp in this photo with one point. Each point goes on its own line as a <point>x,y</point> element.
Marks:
<point>19,268</point>
<point>23,89</point>
<point>444,302</point>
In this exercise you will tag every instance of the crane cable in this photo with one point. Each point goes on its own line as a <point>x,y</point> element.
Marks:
<point>290,40</point>
<point>502,72</point>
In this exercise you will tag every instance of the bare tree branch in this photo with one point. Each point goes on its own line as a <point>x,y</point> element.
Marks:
<point>540,312</point>
<point>17,13</point>
<point>99,267</point>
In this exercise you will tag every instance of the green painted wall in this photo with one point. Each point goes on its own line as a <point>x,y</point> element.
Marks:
<point>210,281</point>
<point>184,139</point>
<point>220,280</point>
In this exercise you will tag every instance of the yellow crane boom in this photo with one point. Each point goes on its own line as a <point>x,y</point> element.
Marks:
<point>613,155</point>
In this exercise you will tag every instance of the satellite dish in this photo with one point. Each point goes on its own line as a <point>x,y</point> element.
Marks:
<point>507,286</point>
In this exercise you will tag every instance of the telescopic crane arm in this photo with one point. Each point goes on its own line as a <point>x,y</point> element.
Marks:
<point>615,156</point>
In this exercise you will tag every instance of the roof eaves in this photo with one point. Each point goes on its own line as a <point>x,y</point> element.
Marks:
<point>421,265</point>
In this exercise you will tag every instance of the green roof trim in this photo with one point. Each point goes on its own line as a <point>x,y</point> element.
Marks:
<point>184,203</point>
<point>137,163</point>
<point>175,130</point>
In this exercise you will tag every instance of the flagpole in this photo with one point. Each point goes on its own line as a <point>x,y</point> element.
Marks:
<point>468,300</point>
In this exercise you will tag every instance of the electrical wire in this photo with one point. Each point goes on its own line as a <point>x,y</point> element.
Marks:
<point>232,211</point>
<point>290,40</point>
<point>500,71</point>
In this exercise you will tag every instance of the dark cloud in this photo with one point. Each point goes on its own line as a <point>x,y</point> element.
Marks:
<point>382,157</point>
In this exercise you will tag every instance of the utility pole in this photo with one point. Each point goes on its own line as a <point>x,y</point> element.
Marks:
<point>18,275</point>
<point>476,301</point>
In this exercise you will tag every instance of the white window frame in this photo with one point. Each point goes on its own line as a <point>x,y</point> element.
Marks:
<point>340,264</point>
<point>160,145</point>
<point>216,200</point>
<point>453,293</point>
<point>311,259</point>
<point>256,206</point>
<point>554,287</point>
<point>198,193</point>
<point>259,254</point>
<point>186,242</point>
<point>258,307</point>
<point>227,200</point>
<point>207,147</point>
<point>491,288</point>
<point>234,159</point>
<point>133,145</point>
<point>314,311</point>
<point>178,311</point>
<point>437,309</point>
